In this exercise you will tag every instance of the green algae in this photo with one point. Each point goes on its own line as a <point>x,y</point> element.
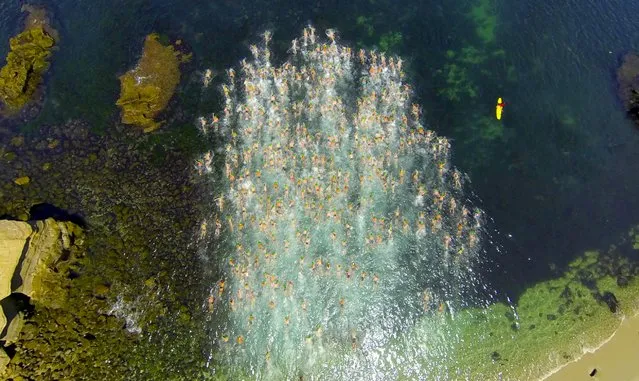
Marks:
<point>365,23</point>
<point>390,41</point>
<point>566,116</point>
<point>482,15</point>
<point>459,72</point>
<point>17,141</point>
<point>147,88</point>
<point>482,135</point>
<point>9,156</point>
<point>550,324</point>
<point>27,61</point>
<point>458,83</point>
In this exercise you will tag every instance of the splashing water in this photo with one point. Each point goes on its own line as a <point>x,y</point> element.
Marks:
<point>341,225</point>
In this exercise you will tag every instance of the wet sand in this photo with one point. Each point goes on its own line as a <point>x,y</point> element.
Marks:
<point>617,359</point>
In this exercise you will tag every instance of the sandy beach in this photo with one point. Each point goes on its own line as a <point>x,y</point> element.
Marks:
<point>617,359</point>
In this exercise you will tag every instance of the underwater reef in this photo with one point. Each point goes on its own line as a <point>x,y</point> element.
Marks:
<point>147,88</point>
<point>26,62</point>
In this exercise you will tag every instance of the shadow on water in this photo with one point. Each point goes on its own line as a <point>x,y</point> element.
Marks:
<point>44,211</point>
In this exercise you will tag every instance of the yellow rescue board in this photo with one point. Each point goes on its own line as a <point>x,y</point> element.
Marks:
<point>499,109</point>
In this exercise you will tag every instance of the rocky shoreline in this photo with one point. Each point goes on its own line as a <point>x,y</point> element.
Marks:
<point>37,258</point>
<point>26,63</point>
<point>136,197</point>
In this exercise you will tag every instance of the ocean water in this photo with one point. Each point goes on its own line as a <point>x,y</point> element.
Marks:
<point>555,177</point>
<point>559,182</point>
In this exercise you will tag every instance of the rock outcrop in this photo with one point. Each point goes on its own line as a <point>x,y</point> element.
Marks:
<point>147,88</point>
<point>628,85</point>
<point>27,60</point>
<point>13,238</point>
<point>31,257</point>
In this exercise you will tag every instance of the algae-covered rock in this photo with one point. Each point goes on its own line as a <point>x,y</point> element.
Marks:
<point>27,61</point>
<point>30,259</point>
<point>24,180</point>
<point>38,278</point>
<point>101,291</point>
<point>134,237</point>
<point>147,88</point>
<point>17,141</point>
<point>4,360</point>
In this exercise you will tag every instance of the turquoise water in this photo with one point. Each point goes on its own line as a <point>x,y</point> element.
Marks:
<point>339,221</point>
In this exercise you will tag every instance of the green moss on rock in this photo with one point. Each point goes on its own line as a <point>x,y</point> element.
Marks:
<point>27,61</point>
<point>551,323</point>
<point>24,180</point>
<point>147,88</point>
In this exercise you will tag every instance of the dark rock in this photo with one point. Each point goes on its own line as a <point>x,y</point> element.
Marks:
<point>628,85</point>
<point>567,294</point>
<point>611,300</point>
<point>495,356</point>
<point>593,372</point>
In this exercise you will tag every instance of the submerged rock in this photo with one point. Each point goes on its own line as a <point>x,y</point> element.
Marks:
<point>147,88</point>
<point>628,85</point>
<point>622,281</point>
<point>611,300</point>
<point>27,61</point>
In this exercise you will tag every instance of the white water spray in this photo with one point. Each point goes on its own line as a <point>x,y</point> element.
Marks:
<point>341,224</point>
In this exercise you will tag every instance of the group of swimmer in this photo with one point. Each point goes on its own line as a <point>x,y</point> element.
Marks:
<point>308,177</point>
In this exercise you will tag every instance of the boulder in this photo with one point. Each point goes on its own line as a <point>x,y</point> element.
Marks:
<point>147,88</point>
<point>30,254</point>
<point>611,300</point>
<point>27,61</point>
<point>13,329</point>
<point>4,360</point>
<point>13,239</point>
<point>45,247</point>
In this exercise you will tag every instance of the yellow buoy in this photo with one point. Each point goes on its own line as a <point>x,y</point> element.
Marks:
<point>499,108</point>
